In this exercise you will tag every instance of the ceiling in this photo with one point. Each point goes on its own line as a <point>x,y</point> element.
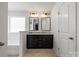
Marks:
<point>26,6</point>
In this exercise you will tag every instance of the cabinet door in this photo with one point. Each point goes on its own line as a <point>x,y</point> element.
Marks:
<point>32,41</point>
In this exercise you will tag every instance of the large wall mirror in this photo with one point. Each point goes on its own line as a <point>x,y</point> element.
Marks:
<point>46,23</point>
<point>33,23</point>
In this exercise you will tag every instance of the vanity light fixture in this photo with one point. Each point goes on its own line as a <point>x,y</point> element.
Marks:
<point>33,13</point>
<point>45,13</point>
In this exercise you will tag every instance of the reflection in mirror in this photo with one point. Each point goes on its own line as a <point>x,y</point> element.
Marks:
<point>33,23</point>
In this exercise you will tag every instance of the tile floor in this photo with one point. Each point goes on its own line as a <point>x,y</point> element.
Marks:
<point>40,53</point>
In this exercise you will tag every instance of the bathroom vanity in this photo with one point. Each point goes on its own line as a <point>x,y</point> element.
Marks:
<point>41,41</point>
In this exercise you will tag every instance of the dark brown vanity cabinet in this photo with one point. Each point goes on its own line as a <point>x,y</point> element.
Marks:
<point>39,41</point>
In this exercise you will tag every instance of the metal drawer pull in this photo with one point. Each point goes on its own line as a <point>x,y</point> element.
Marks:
<point>1,44</point>
<point>71,38</point>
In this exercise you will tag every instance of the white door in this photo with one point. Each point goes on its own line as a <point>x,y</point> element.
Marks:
<point>77,29</point>
<point>66,20</point>
<point>3,28</point>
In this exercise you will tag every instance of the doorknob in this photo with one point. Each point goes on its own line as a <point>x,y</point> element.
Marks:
<point>1,44</point>
<point>71,38</point>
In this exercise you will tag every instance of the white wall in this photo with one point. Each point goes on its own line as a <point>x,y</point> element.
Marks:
<point>16,13</point>
<point>27,6</point>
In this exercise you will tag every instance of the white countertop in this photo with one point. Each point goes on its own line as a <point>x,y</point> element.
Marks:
<point>37,33</point>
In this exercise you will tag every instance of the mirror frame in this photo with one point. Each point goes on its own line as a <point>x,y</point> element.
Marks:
<point>33,23</point>
<point>43,19</point>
